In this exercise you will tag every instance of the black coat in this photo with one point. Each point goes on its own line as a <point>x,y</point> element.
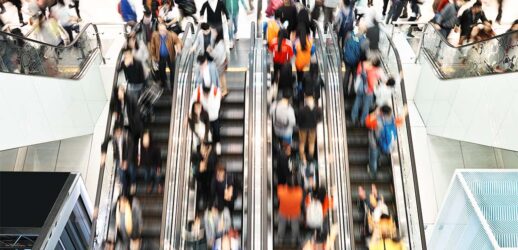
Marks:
<point>214,16</point>
<point>135,125</point>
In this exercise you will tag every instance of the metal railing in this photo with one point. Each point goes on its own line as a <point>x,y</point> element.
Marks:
<point>23,55</point>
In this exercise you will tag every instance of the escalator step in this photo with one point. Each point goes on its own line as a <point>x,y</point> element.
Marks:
<point>235,96</point>
<point>232,130</point>
<point>234,147</point>
<point>359,173</point>
<point>233,163</point>
<point>151,227</point>
<point>387,193</point>
<point>361,157</point>
<point>232,113</point>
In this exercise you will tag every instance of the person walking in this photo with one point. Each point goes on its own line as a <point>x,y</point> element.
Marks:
<point>282,50</point>
<point>368,75</point>
<point>307,119</point>
<point>134,73</point>
<point>218,52</point>
<point>213,10</point>
<point>233,11</point>
<point>469,19</point>
<point>290,200</point>
<point>446,19</point>
<point>283,117</point>
<point>163,48</point>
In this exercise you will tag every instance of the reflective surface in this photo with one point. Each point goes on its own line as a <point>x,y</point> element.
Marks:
<point>494,56</point>
<point>21,55</point>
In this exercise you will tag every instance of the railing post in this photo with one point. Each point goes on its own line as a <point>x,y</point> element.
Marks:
<point>99,44</point>
<point>420,46</point>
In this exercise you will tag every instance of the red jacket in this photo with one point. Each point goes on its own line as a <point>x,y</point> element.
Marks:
<point>285,54</point>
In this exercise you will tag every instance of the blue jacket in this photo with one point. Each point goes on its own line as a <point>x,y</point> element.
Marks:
<point>127,11</point>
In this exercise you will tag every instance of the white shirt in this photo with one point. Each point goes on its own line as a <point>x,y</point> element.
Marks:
<point>60,12</point>
<point>211,102</point>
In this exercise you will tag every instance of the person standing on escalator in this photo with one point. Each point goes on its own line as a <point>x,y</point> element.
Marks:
<point>290,202</point>
<point>282,50</point>
<point>164,47</point>
<point>218,52</point>
<point>134,73</point>
<point>213,11</point>
<point>284,120</point>
<point>307,119</point>
<point>446,19</point>
<point>209,95</point>
<point>149,162</point>
<point>289,15</point>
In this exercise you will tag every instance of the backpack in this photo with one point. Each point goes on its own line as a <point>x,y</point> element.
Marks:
<point>276,121</point>
<point>352,49</point>
<point>272,30</point>
<point>387,136</point>
<point>314,214</point>
<point>188,7</point>
<point>346,22</point>
<point>361,84</point>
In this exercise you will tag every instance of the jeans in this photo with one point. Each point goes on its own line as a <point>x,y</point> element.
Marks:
<point>149,174</point>
<point>445,32</point>
<point>365,101</point>
<point>385,5</point>
<point>281,229</point>
<point>374,155</point>
<point>165,61</point>
<point>126,177</point>
<point>398,9</point>
<point>214,126</point>
<point>349,78</point>
<point>232,31</point>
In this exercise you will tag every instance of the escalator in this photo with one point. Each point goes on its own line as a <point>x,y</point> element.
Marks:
<point>396,179</point>
<point>161,126</point>
<point>234,153</point>
<point>22,55</point>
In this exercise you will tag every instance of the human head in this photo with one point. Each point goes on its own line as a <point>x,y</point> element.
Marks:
<point>313,69</point>
<point>278,14</point>
<point>220,172</point>
<point>477,7</point>
<point>205,28</point>
<point>361,193</point>
<point>162,29</point>
<point>286,148</point>
<point>309,92</point>
<point>283,34</point>
<point>386,110</point>
<point>375,62</point>
<point>286,94</point>
<point>391,82</point>
<point>197,108</point>
<point>146,138</point>
<point>132,42</point>
<point>207,85</point>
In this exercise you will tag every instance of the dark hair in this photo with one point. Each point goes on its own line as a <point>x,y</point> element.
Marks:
<point>136,42</point>
<point>347,2</point>
<point>386,110</point>
<point>313,70</point>
<point>278,14</point>
<point>286,93</point>
<point>118,125</point>
<point>283,34</point>
<point>321,194</point>
<point>391,82</point>
<point>376,62</point>
<point>302,34</point>
<point>126,49</point>
<point>308,91</point>
<point>204,26</point>
<point>286,75</point>
<point>219,35</point>
<point>477,4</point>
<point>220,167</point>
<point>201,58</point>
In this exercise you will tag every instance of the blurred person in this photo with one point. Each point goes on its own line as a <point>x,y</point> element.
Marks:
<point>227,242</point>
<point>199,124</point>
<point>283,118</point>
<point>289,15</point>
<point>446,19</point>
<point>282,50</point>
<point>361,7</point>
<point>209,95</point>
<point>204,161</point>
<point>204,40</point>
<point>303,50</point>
<point>285,164</point>
<point>396,8</point>
<point>384,236</point>
<point>290,199</point>
<point>382,135</point>
<point>416,14</point>
<point>123,156</point>
<point>207,69</point>
<point>313,81</point>
<point>126,111</point>
<point>304,23</point>
<point>344,21</point>
<point>482,32</point>
<point>61,13</point>
<point>213,11</point>
<point>385,91</point>
<point>194,234</point>
<point>75,5</point>
<point>307,119</point>
<point>328,7</point>
<point>15,3</point>
<point>508,50</point>
<point>170,16</point>
<point>326,204</point>
<point>469,19</point>
<point>149,162</point>
<point>152,6</point>
<point>368,75</point>
<point>217,221</point>
<point>128,12</point>
<point>272,27</point>
<point>218,52</point>
<point>273,6</point>
<point>128,222</point>
<point>134,73</point>
<point>222,188</point>
<point>233,11</point>
<point>140,52</point>
<point>438,5</point>
<point>352,54</point>
<point>147,25</point>
<point>364,210</point>
<point>48,31</point>
<point>164,47</point>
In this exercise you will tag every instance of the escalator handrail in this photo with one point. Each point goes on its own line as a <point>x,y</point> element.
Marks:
<point>411,146</point>
<point>189,29</point>
<point>445,40</point>
<point>71,44</point>
<point>340,193</point>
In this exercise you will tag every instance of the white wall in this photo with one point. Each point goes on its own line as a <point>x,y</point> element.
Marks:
<point>482,110</point>
<point>41,109</point>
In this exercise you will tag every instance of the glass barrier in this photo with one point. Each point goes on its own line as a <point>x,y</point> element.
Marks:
<point>403,162</point>
<point>26,55</point>
<point>496,55</point>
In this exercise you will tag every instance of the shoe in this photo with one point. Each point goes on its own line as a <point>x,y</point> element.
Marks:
<point>231,44</point>
<point>404,16</point>
<point>218,148</point>
<point>410,35</point>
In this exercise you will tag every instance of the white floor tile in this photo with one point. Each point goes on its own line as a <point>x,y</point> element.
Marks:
<point>414,116</point>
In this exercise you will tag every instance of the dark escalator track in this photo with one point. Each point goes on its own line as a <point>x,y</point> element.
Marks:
<point>151,203</point>
<point>232,115</point>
